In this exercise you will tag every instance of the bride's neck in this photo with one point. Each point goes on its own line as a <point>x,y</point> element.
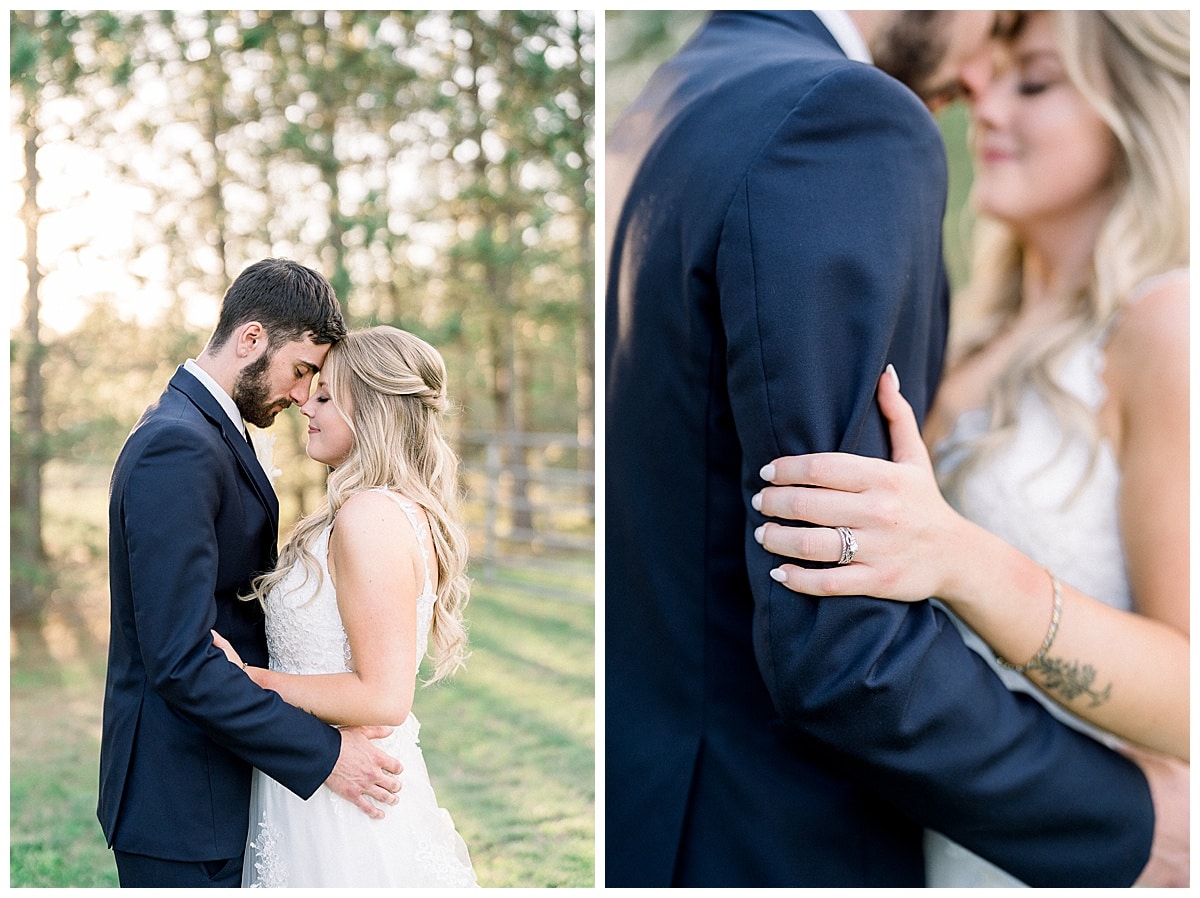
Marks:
<point>1058,255</point>
<point>1050,282</point>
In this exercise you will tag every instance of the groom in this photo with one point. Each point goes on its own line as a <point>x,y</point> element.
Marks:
<point>774,240</point>
<point>192,518</point>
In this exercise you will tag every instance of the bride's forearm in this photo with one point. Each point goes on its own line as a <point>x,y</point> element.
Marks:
<point>1121,671</point>
<point>341,699</point>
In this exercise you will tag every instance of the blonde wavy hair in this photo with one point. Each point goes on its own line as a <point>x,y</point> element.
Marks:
<point>394,384</point>
<point>1133,68</point>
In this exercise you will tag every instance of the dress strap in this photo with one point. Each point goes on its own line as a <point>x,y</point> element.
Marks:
<point>410,511</point>
<point>1143,289</point>
<point>1154,281</point>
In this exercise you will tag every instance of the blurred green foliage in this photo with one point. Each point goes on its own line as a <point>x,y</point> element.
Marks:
<point>438,167</point>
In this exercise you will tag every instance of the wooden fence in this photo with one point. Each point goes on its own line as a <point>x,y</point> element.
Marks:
<point>529,496</point>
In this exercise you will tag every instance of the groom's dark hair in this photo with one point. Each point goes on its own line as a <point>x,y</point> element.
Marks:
<point>287,299</point>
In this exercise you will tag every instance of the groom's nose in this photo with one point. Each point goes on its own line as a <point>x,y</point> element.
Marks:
<point>975,74</point>
<point>299,393</point>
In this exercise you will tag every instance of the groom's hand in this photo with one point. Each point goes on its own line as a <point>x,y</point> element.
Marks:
<point>363,772</point>
<point>1169,781</point>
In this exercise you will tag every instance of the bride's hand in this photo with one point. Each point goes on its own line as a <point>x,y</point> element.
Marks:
<point>230,652</point>
<point>905,531</point>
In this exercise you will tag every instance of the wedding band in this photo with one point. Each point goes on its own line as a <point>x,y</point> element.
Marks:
<point>849,545</point>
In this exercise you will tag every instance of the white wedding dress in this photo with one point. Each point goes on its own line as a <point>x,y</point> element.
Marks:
<point>327,841</point>
<point>1045,497</point>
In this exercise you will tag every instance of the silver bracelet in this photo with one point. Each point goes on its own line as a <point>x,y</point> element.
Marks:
<point>1055,615</point>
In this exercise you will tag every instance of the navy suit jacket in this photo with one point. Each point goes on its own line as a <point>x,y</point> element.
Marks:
<point>774,228</point>
<point>192,517</point>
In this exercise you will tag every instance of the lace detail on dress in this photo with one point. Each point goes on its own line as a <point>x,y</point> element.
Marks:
<point>445,859</point>
<point>269,869</point>
<point>327,841</point>
<point>304,628</point>
<point>1040,491</point>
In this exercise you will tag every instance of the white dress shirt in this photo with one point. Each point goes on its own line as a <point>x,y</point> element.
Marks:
<point>225,400</point>
<point>846,33</point>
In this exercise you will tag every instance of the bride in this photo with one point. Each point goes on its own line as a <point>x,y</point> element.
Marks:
<point>1060,435</point>
<point>361,587</point>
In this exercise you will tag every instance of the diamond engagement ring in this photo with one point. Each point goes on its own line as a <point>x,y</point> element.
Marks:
<point>849,545</point>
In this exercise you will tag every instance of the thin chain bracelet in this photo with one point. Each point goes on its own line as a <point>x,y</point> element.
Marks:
<point>1055,615</point>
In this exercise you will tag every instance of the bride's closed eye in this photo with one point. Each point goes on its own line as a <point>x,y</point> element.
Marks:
<point>1033,88</point>
<point>1037,72</point>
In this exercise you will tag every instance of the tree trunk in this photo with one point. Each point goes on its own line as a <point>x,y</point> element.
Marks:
<point>213,125</point>
<point>585,349</point>
<point>29,568</point>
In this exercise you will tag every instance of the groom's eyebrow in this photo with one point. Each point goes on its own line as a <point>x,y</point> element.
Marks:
<point>1008,23</point>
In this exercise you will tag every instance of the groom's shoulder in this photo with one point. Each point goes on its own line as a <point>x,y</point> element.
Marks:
<point>859,84</point>
<point>778,52</point>
<point>768,82</point>
<point>170,426</point>
<point>174,411</point>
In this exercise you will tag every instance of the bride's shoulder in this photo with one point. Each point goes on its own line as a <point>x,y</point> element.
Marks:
<point>1154,321</point>
<point>371,518</point>
<point>1148,351</point>
<point>375,507</point>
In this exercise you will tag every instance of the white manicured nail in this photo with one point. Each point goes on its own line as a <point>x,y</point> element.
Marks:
<point>891,369</point>
<point>779,574</point>
<point>767,472</point>
<point>758,533</point>
<point>756,501</point>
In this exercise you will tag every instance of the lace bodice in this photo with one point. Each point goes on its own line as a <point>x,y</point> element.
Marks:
<point>324,840</point>
<point>304,629</point>
<point>1041,492</point>
<point>1037,493</point>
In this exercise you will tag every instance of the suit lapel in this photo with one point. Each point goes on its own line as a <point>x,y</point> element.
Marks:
<point>234,438</point>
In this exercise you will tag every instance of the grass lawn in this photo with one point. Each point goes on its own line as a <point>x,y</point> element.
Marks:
<point>510,744</point>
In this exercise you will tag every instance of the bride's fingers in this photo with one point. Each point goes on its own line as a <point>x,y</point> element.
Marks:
<point>831,470</point>
<point>804,543</point>
<point>848,580</point>
<point>825,507</point>
<point>907,444</point>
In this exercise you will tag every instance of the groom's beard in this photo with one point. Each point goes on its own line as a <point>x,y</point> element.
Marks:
<point>912,49</point>
<point>252,393</point>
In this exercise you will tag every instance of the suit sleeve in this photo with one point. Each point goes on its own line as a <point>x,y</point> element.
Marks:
<point>830,268</point>
<point>170,506</point>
